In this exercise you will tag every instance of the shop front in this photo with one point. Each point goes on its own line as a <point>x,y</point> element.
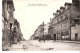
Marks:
<point>65,35</point>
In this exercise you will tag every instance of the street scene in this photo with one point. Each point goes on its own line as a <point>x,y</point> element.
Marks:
<point>24,29</point>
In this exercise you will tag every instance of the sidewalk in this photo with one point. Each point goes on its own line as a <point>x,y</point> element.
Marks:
<point>57,45</point>
<point>5,47</point>
<point>65,41</point>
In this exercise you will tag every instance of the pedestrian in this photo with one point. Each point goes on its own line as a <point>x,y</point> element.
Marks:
<point>24,47</point>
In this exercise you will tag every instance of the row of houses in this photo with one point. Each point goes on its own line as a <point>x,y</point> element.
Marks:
<point>38,32</point>
<point>65,24</point>
<point>11,32</point>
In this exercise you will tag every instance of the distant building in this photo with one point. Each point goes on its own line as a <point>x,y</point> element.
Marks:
<point>35,35</point>
<point>47,31</point>
<point>46,27</point>
<point>50,29</point>
<point>39,32</point>
<point>42,32</point>
<point>66,23</point>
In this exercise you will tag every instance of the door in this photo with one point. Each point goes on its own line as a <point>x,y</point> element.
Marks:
<point>76,36</point>
<point>54,36</point>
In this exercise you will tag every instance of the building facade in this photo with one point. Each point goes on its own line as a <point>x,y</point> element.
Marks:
<point>7,13</point>
<point>47,31</point>
<point>10,27</point>
<point>43,32</point>
<point>46,27</point>
<point>39,32</point>
<point>64,24</point>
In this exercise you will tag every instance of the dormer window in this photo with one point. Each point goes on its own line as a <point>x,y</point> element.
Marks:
<point>62,9</point>
<point>10,5</point>
<point>78,16</point>
<point>55,14</point>
<point>67,5</point>
<point>58,12</point>
<point>77,19</point>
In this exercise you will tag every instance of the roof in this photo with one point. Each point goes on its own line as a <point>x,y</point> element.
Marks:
<point>58,11</point>
<point>11,2</point>
<point>62,7</point>
<point>54,13</point>
<point>68,4</point>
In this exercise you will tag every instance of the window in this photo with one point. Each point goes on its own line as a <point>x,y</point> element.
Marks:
<point>3,39</point>
<point>63,26</point>
<point>10,25</point>
<point>56,28</point>
<point>67,25</point>
<point>59,19</point>
<point>55,20</point>
<point>3,10</point>
<point>66,17</point>
<point>9,5</point>
<point>78,16</point>
<point>11,14</point>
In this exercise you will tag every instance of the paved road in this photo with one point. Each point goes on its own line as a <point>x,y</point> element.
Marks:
<point>25,46</point>
<point>43,46</point>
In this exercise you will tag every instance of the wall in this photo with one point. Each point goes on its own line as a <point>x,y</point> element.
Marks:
<point>46,27</point>
<point>75,29</point>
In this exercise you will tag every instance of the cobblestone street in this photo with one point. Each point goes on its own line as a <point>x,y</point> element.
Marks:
<point>35,45</point>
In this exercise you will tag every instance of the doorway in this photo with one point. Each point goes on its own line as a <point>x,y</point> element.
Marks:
<point>76,36</point>
<point>54,36</point>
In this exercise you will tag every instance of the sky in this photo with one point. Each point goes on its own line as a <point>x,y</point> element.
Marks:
<point>31,13</point>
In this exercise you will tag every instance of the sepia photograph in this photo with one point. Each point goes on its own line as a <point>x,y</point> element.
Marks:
<point>40,25</point>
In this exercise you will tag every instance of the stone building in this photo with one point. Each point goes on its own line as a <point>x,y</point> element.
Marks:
<point>50,29</point>
<point>65,25</point>
<point>8,24</point>
<point>42,32</point>
<point>66,22</point>
<point>46,27</point>
<point>47,31</point>
<point>7,14</point>
<point>39,32</point>
<point>35,35</point>
<point>17,34</point>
